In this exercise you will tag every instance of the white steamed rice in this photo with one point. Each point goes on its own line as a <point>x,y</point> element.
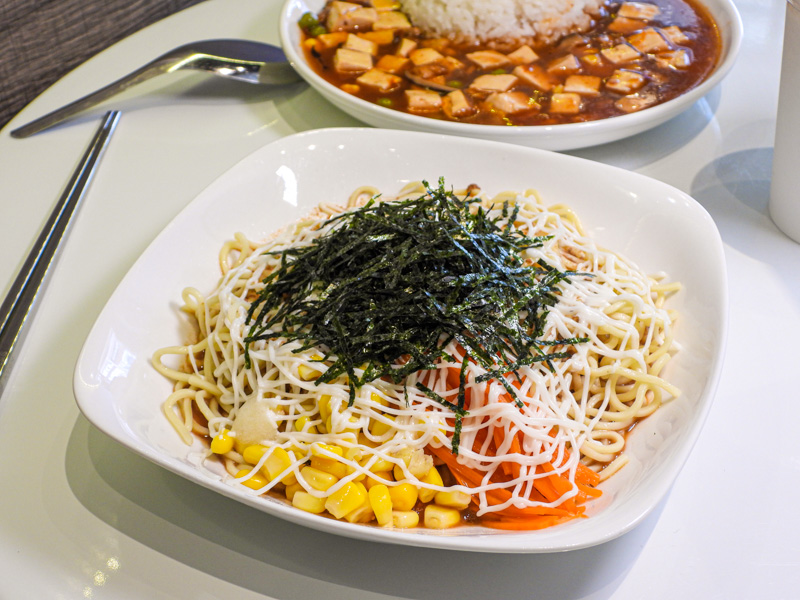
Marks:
<point>541,21</point>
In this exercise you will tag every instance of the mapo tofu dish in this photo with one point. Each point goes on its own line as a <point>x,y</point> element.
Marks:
<point>633,55</point>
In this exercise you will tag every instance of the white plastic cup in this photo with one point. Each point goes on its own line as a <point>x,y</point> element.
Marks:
<point>784,201</point>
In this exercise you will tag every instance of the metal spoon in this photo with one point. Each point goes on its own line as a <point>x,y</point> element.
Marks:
<point>244,60</point>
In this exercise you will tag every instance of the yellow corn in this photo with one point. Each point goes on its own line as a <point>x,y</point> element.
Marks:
<point>346,499</point>
<point>329,465</point>
<point>324,406</point>
<point>325,450</point>
<point>307,502</point>
<point>441,517</point>
<point>403,519</point>
<point>380,465</point>
<point>252,454</point>
<point>404,496</point>
<point>302,423</point>
<point>381,503</point>
<point>291,490</point>
<point>278,462</point>
<point>434,478</point>
<point>453,499</point>
<point>379,427</point>
<point>398,473</point>
<point>319,480</point>
<point>372,481</point>
<point>363,514</point>
<point>256,482</point>
<point>307,373</point>
<point>222,442</point>
<point>378,399</point>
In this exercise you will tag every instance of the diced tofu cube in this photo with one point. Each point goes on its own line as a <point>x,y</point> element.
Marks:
<point>423,101</point>
<point>675,35</point>
<point>440,43</point>
<point>625,81</point>
<point>327,41</point>
<point>638,10</point>
<point>635,102</point>
<point>379,80</point>
<point>452,63</point>
<point>346,16</point>
<point>382,38</point>
<point>355,42</point>
<point>625,25</point>
<point>512,103</point>
<point>621,53</point>
<point>424,56</point>
<point>536,76</point>
<point>677,59</point>
<point>405,47</point>
<point>391,19</point>
<point>588,85</point>
<point>593,59</point>
<point>566,103</point>
<point>493,83</point>
<point>566,64</point>
<point>488,59</point>
<point>456,105</point>
<point>523,55</point>
<point>649,40</point>
<point>351,61</point>
<point>385,4</point>
<point>392,63</point>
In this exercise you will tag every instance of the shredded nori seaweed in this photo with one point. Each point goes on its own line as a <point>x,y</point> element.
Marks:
<point>392,283</point>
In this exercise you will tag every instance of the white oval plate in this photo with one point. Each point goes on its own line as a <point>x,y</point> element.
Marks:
<point>549,137</point>
<point>658,226</point>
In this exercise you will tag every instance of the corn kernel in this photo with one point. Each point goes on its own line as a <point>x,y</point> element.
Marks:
<point>399,475</point>
<point>380,465</point>
<point>346,499</point>
<point>255,482</point>
<point>325,450</point>
<point>378,428</point>
<point>291,490</point>
<point>441,517</point>
<point>363,514</point>
<point>378,399</point>
<point>307,502</point>
<point>222,442</point>
<point>329,465</point>
<point>434,478</point>
<point>324,406</point>
<point>403,519</point>
<point>350,88</point>
<point>252,454</point>
<point>371,481</point>
<point>302,424</point>
<point>278,462</point>
<point>404,496</point>
<point>319,480</point>
<point>452,499</point>
<point>381,503</point>
<point>307,373</point>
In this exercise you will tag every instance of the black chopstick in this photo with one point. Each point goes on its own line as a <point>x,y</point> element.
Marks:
<point>22,294</point>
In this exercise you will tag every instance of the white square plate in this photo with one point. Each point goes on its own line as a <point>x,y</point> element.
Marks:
<point>659,227</point>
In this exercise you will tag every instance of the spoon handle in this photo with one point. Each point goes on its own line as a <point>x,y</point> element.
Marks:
<point>148,71</point>
<point>23,292</point>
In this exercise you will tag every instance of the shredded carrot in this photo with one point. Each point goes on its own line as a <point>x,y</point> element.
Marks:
<point>549,487</point>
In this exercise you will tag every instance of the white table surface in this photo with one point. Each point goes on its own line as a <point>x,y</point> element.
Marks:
<point>81,517</point>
